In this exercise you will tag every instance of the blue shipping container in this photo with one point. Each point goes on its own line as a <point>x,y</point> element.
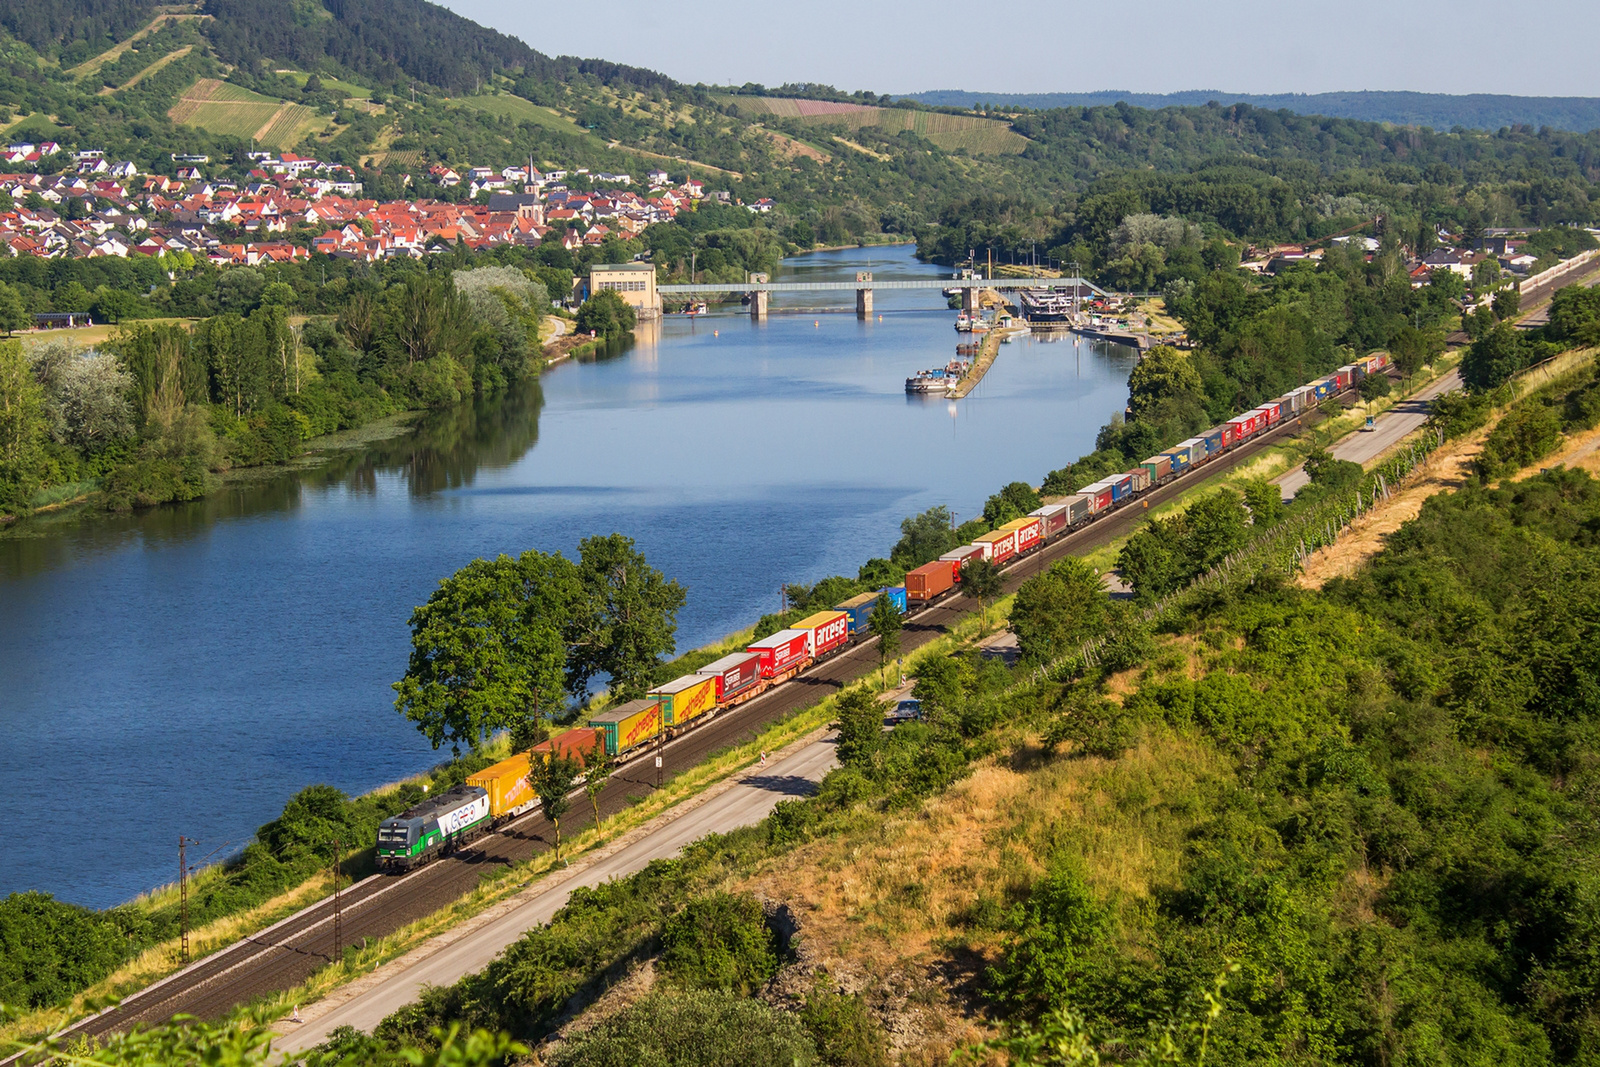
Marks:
<point>1180,460</point>
<point>1121,487</point>
<point>859,608</point>
<point>1213,439</point>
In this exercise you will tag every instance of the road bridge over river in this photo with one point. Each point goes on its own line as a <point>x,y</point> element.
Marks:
<point>760,289</point>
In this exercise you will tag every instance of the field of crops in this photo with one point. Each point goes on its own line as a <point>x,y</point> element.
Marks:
<point>221,108</point>
<point>979,136</point>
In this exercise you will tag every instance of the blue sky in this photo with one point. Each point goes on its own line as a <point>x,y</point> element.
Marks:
<point>1526,47</point>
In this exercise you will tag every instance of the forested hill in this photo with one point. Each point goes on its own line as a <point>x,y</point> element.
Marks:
<point>1480,111</point>
<point>384,41</point>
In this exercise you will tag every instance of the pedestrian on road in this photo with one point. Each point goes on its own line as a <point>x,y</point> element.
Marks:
<point>295,1015</point>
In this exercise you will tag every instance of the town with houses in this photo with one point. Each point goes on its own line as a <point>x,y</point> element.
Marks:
<point>123,212</point>
<point>250,222</point>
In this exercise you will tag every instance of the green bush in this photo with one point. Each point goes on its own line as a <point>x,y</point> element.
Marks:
<point>720,941</point>
<point>699,1028</point>
<point>844,1031</point>
<point>50,950</point>
<point>1529,432</point>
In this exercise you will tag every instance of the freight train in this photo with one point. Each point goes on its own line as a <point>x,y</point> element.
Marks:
<point>502,791</point>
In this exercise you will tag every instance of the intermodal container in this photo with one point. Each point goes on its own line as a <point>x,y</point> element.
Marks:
<point>1002,545</point>
<point>829,630</point>
<point>1140,477</point>
<point>574,744</point>
<point>1121,487</point>
<point>1029,531</point>
<point>1323,388</point>
<point>506,783</point>
<point>897,596</point>
<point>1079,509</point>
<point>929,580</point>
<point>1242,426</point>
<point>1160,468</point>
<point>1179,457</point>
<point>1098,495</point>
<point>1230,435</point>
<point>782,651</point>
<point>1213,440</point>
<point>735,673</point>
<point>1194,450</point>
<point>859,608</point>
<point>1272,411</point>
<point>630,725</point>
<point>1346,375</point>
<point>685,698</point>
<point>959,558</point>
<point>1053,520</point>
<point>1380,361</point>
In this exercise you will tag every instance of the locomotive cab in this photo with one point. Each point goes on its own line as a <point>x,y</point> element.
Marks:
<point>397,841</point>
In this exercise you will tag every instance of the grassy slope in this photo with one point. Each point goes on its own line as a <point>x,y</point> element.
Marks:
<point>979,136</point>
<point>222,108</point>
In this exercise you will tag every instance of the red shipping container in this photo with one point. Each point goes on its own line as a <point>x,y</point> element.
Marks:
<point>1030,532</point>
<point>828,629</point>
<point>1053,520</point>
<point>734,673</point>
<point>1001,545</point>
<point>782,651</point>
<point>1273,412</point>
<point>1099,500</point>
<point>929,580</point>
<point>959,558</point>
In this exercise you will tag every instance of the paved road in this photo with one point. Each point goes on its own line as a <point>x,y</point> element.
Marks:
<point>1388,430</point>
<point>445,961</point>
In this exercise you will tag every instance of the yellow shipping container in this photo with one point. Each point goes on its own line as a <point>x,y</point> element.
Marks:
<point>506,783</point>
<point>684,698</point>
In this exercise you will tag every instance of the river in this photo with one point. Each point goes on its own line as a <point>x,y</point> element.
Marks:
<point>186,669</point>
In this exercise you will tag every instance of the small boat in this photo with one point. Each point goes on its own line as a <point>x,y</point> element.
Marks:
<point>695,308</point>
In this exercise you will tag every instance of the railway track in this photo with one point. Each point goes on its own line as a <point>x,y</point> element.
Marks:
<point>287,953</point>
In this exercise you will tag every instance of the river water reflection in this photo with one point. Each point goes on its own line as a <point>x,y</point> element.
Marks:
<point>184,670</point>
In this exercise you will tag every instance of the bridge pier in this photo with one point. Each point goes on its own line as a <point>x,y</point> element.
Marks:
<point>863,295</point>
<point>968,300</point>
<point>758,305</point>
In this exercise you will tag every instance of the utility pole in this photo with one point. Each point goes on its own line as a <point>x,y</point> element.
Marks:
<point>338,930</point>
<point>183,898</point>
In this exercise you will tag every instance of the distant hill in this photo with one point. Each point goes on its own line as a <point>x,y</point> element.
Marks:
<point>1481,111</point>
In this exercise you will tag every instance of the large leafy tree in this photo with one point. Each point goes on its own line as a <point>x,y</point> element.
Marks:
<point>1058,610</point>
<point>479,659</point>
<point>625,620</point>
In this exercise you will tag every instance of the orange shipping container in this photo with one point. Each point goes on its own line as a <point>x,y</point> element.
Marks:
<point>929,580</point>
<point>506,783</point>
<point>573,744</point>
